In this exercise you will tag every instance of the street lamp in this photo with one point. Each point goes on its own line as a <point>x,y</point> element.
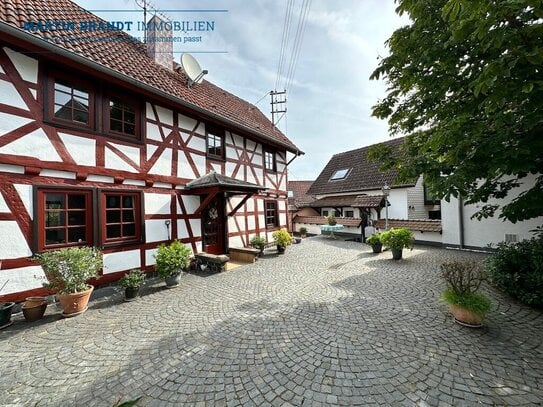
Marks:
<point>386,193</point>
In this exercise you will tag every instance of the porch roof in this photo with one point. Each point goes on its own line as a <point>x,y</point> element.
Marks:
<point>223,183</point>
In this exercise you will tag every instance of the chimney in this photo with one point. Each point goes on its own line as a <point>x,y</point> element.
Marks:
<point>160,42</point>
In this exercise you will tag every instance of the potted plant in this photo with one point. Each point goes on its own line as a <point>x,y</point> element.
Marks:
<point>467,306</point>
<point>375,242</point>
<point>6,308</point>
<point>303,232</point>
<point>34,308</point>
<point>282,239</point>
<point>397,240</point>
<point>258,243</point>
<point>331,219</point>
<point>171,260</point>
<point>67,271</point>
<point>132,282</point>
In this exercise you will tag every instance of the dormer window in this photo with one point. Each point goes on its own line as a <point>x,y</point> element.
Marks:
<point>340,174</point>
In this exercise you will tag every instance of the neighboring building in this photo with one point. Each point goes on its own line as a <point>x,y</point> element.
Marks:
<point>102,142</point>
<point>351,187</point>
<point>298,200</point>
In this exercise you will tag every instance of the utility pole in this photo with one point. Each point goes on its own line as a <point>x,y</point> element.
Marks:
<point>278,104</point>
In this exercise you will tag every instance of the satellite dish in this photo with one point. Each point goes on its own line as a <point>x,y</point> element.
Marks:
<point>192,69</point>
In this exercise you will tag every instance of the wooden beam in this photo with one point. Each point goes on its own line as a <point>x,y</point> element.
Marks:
<point>242,202</point>
<point>206,201</point>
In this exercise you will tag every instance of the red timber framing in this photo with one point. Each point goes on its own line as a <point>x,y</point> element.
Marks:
<point>136,176</point>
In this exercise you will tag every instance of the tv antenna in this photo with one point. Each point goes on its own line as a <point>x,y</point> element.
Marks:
<point>278,104</point>
<point>192,69</point>
<point>148,5</point>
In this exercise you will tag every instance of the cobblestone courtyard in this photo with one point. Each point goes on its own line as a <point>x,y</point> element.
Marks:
<point>328,323</point>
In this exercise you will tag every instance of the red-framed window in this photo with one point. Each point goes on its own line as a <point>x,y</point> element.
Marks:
<point>121,216</point>
<point>122,117</point>
<point>269,161</point>
<point>272,215</point>
<point>215,142</point>
<point>70,101</point>
<point>64,218</point>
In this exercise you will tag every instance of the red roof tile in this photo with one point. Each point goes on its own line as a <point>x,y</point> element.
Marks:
<point>299,192</point>
<point>122,53</point>
<point>416,225</point>
<point>321,220</point>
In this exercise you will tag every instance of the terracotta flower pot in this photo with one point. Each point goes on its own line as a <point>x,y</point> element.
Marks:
<point>35,311</point>
<point>34,301</point>
<point>75,303</point>
<point>465,316</point>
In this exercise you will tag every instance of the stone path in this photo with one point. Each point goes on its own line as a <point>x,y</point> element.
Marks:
<point>328,323</point>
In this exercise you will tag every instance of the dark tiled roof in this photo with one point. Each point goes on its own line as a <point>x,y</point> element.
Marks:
<point>299,191</point>
<point>369,201</point>
<point>122,53</point>
<point>364,175</point>
<point>333,201</point>
<point>212,179</point>
<point>416,225</point>
<point>321,220</point>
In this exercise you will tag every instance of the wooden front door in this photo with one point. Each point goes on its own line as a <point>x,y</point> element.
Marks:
<point>213,227</point>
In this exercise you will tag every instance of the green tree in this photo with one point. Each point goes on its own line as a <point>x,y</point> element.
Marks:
<point>465,86</point>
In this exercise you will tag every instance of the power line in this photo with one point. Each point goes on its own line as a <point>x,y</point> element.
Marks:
<point>262,98</point>
<point>284,42</point>
<point>304,11</point>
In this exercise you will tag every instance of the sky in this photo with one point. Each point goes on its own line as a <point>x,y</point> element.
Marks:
<point>330,98</point>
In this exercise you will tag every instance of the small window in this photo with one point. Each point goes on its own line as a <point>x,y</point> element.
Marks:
<point>121,217</point>
<point>122,117</point>
<point>324,213</point>
<point>272,217</point>
<point>340,174</point>
<point>71,103</point>
<point>215,143</point>
<point>290,194</point>
<point>349,214</point>
<point>434,214</point>
<point>269,161</point>
<point>64,218</point>
<point>429,199</point>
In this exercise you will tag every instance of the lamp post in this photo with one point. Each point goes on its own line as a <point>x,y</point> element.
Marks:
<point>386,193</point>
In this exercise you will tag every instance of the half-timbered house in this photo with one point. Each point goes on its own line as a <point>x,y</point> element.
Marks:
<point>102,142</point>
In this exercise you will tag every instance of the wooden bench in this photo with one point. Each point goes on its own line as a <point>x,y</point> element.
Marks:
<point>214,262</point>
<point>243,254</point>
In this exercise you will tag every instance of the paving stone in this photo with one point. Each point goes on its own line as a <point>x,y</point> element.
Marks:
<point>328,323</point>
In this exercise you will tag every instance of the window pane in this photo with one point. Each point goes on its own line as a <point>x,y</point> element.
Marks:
<point>55,201</point>
<point>63,99</point>
<point>129,117</point>
<point>54,219</point>
<point>81,92</point>
<point>128,215</point>
<point>76,235</point>
<point>128,202</point>
<point>113,201</point>
<point>129,230</point>
<point>116,125</point>
<point>81,104</point>
<point>113,216</point>
<point>76,218</point>
<point>81,117</point>
<point>116,113</point>
<point>63,88</point>
<point>55,236</point>
<point>130,129</point>
<point>113,231</point>
<point>77,201</point>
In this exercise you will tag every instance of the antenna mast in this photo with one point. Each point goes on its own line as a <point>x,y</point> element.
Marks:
<point>143,4</point>
<point>278,104</point>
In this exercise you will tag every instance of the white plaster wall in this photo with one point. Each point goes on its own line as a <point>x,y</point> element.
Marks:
<point>10,96</point>
<point>82,150</point>
<point>235,241</point>
<point>150,257</point>
<point>311,228</point>
<point>191,203</point>
<point>100,178</point>
<point>196,226</point>
<point>486,231</point>
<point>251,224</point>
<point>25,193</point>
<point>156,230</point>
<point>25,65</point>
<point>186,122</point>
<point>35,144</point>
<point>283,219</point>
<point>120,261</point>
<point>398,204</point>
<point>22,279</point>
<point>165,115</point>
<point>153,133</point>
<point>10,122</point>
<point>435,237</point>
<point>57,174</point>
<point>3,205</point>
<point>14,169</point>
<point>157,203</point>
<point>163,166</point>
<point>184,169</point>
<point>231,153</point>
<point>12,241</point>
<point>113,161</point>
<point>197,143</point>
<point>200,163</point>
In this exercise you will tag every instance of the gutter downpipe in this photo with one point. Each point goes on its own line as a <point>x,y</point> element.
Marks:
<point>461,222</point>
<point>55,49</point>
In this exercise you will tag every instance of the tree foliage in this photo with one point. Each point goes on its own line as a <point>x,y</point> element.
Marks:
<point>465,85</point>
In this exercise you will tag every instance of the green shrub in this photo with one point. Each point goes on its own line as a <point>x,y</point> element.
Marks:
<point>331,219</point>
<point>303,230</point>
<point>69,269</point>
<point>374,239</point>
<point>172,259</point>
<point>282,237</point>
<point>474,302</point>
<point>397,238</point>
<point>258,243</point>
<point>517,269</point>
<point>133,279</point>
